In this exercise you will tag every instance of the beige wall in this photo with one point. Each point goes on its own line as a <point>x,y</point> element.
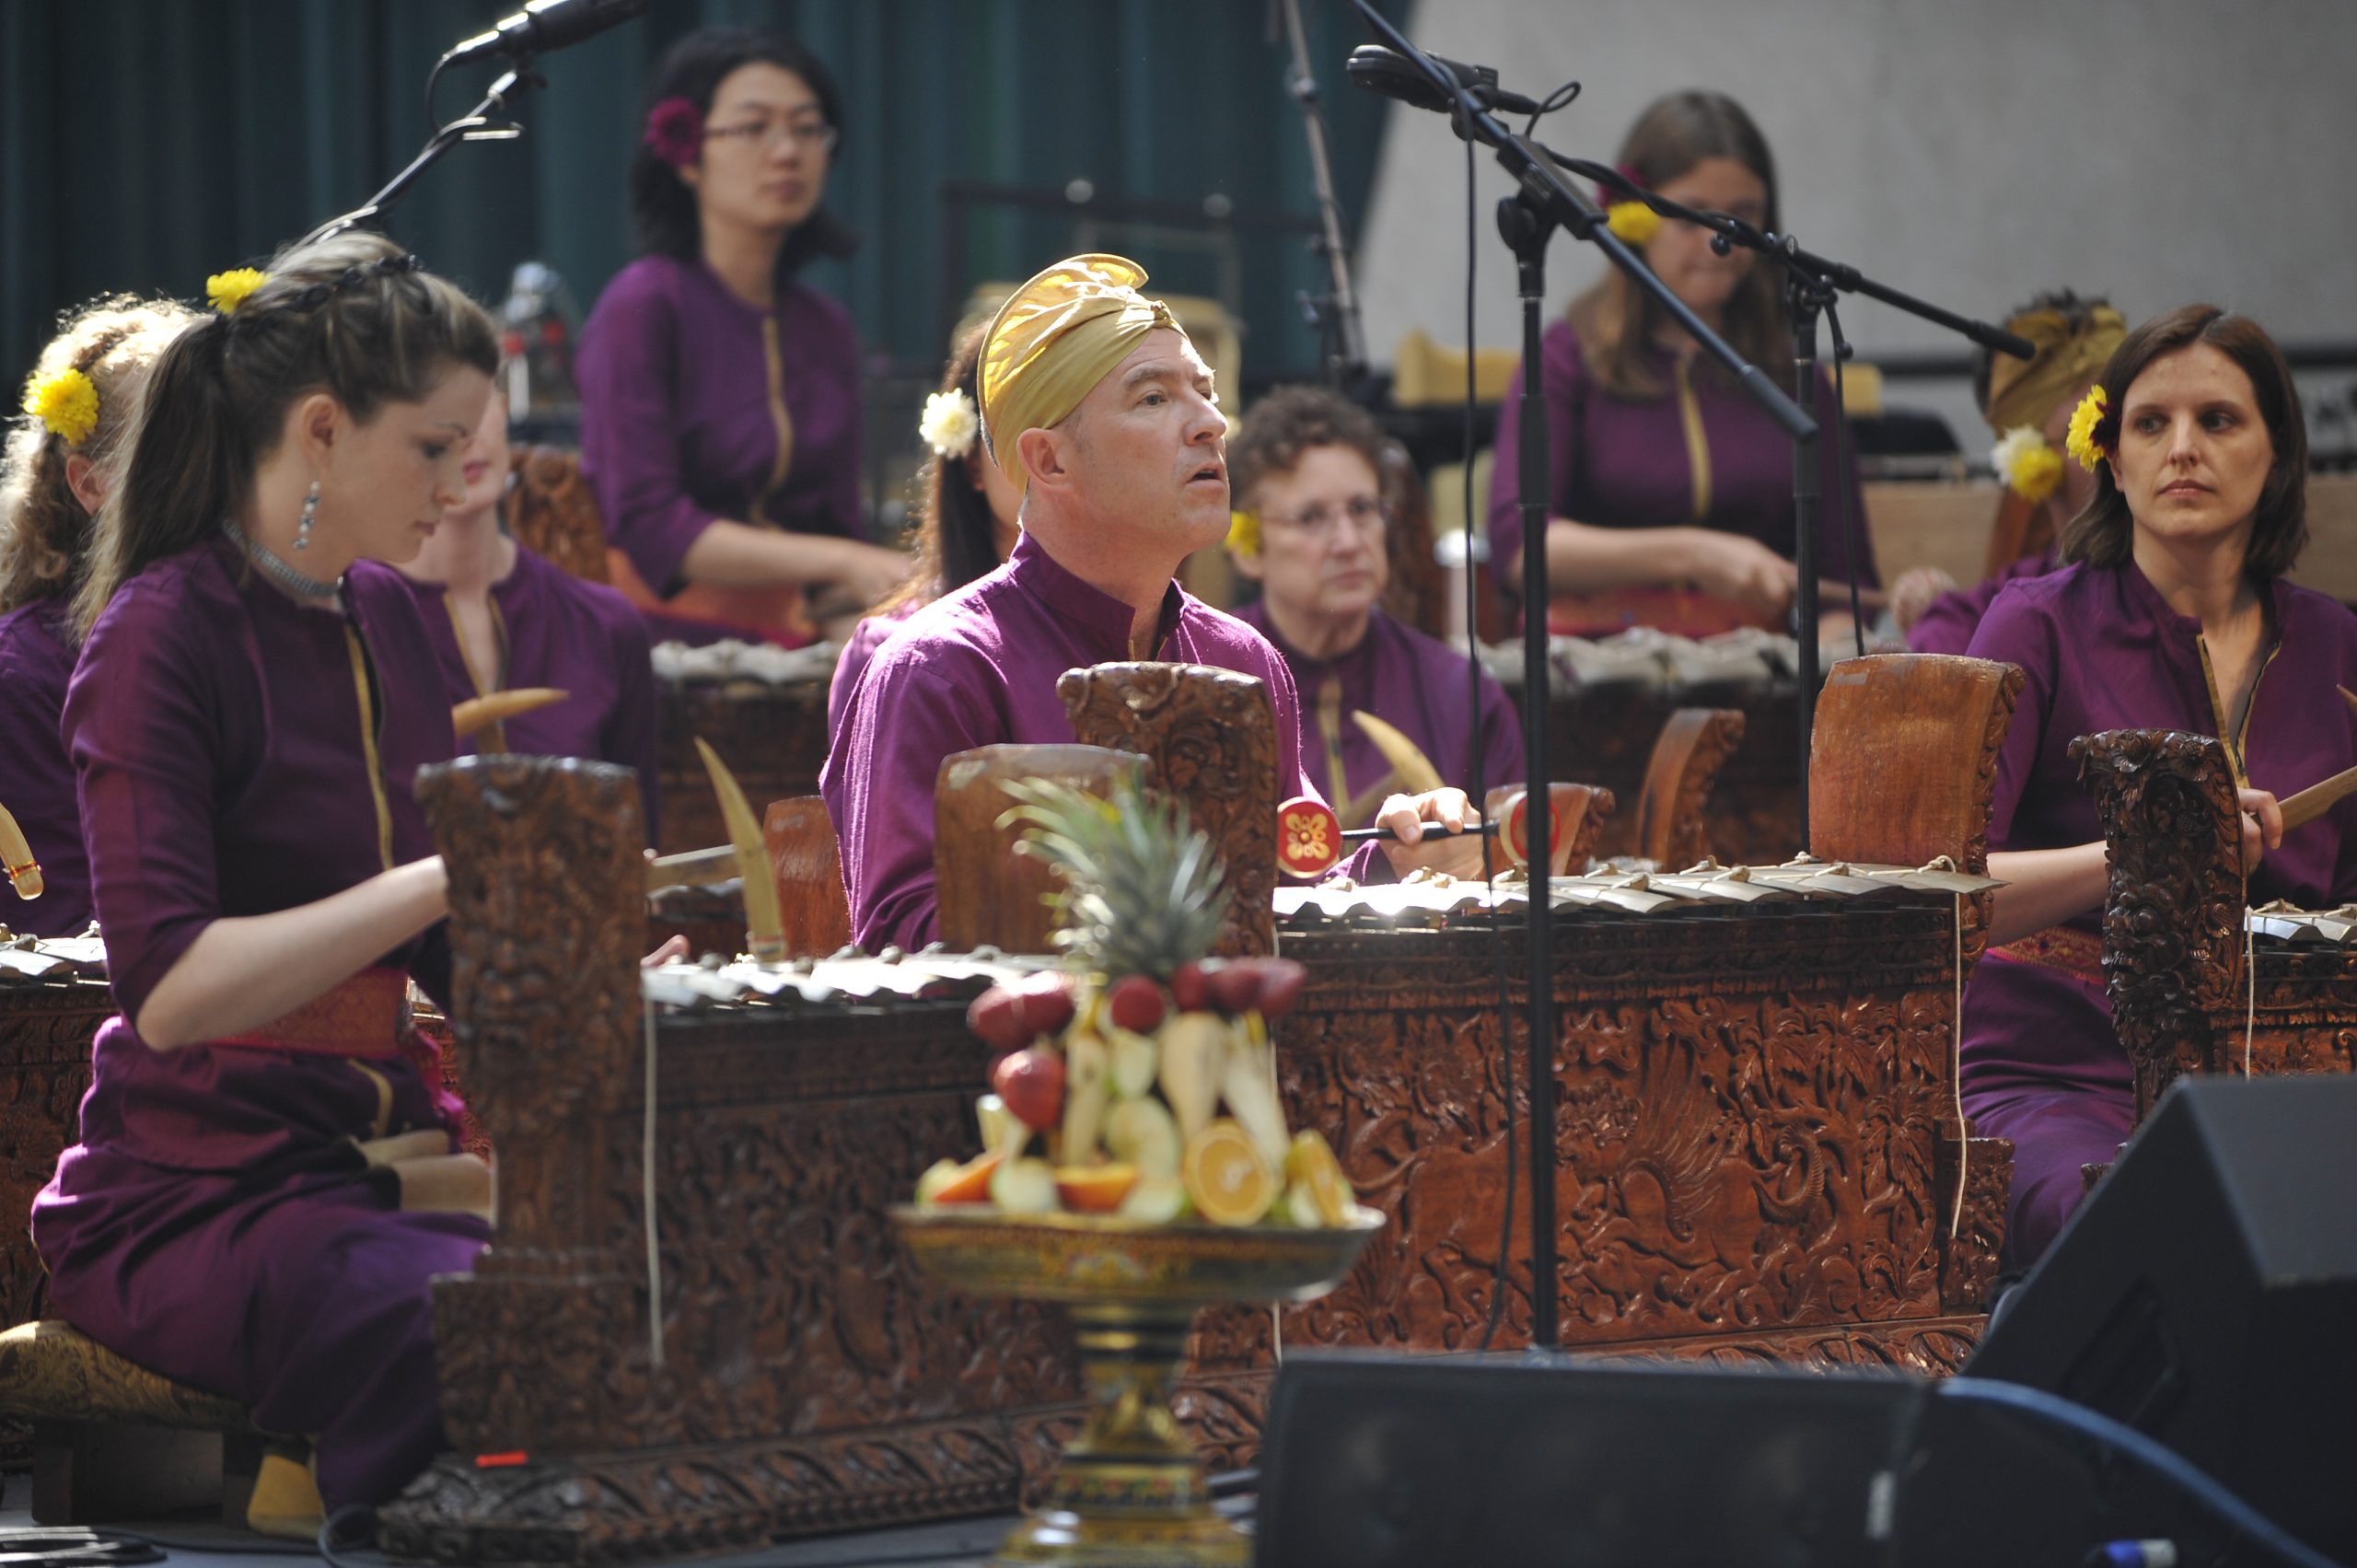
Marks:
<point>1971,151</point>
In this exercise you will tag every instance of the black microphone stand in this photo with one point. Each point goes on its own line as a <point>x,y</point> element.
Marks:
<point>1810,283</point>
<point>476,125</point>
<point>1334,314</point>
<point>1547,201</point>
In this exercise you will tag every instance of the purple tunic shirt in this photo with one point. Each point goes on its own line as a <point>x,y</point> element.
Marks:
<point>36,776</point>
<point>871,633</point>
<point>1415,684</point>
<point>215,1222</point>
<point>2103,650</point>
<point>683,389</point>
<point>582,638</point>
<point>1621,463</point>
<point>979,668</point>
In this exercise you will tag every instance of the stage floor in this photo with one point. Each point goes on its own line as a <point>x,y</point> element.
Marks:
<point>197,1543</point>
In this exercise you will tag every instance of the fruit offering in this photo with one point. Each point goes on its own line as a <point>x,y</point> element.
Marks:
<point>1149,1089</point>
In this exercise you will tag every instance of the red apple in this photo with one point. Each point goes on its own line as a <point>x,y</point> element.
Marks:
<point>996,1016</point>
<point>1047,1001</point>
<point>1031,1082</point>
<point>1190,987</point>
<point>1134,1003</point>
<point>1235,987</point>
<point>1280,984</point>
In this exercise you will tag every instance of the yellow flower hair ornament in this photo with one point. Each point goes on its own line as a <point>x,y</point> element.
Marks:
<point>65,404</point>
<point>1633,222</point>
<point>1244,534</point>
<point>2084,420</point>
<point>2030,467</point>
<point>227,290</point>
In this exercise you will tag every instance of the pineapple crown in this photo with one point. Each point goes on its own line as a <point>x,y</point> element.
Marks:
<point>1142,892</point>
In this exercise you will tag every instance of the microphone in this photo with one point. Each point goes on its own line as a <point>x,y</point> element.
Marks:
<point>543,26</point>
<point>1392,74</point>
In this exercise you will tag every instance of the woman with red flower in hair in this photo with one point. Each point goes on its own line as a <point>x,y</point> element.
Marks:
<point>720,415</point>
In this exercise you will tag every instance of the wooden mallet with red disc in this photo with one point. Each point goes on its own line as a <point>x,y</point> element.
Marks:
<point>1311,840</point>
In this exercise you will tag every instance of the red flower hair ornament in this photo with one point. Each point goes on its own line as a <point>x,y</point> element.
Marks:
<point>675,131</point>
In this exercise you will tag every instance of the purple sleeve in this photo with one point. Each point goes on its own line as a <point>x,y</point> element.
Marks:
<point>1286,703</point>
<point>141,725</point>
<point>627,371</point>
<point>2017,632</point>
<point>1946,626</point>
<point>1842,517</point>
<point>858,649</point>
<point>878,785</point>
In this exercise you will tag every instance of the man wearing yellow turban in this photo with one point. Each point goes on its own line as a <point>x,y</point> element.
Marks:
<point>1099,411</point>
<point>2027,402</point>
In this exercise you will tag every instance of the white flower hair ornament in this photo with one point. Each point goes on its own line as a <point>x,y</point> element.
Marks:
<point>950,424</point>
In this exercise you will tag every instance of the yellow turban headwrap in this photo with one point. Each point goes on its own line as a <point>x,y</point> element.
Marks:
<point>2024,391</point>
<point>1053,342</point>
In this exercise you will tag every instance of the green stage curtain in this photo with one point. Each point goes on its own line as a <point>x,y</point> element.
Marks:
<point>145,144</point>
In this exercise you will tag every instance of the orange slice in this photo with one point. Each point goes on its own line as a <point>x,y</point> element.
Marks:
<point>1311,1164</point>
<point>1226,1175</point>
<point>971,1184</point>
<point>1095,1189</point>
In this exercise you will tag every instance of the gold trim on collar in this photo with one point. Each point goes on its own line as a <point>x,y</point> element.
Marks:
<point>1698,443</point>
<point>360,686</point>
<point>774,361</point>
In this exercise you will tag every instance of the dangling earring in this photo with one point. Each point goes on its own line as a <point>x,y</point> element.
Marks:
<point>310,517</point>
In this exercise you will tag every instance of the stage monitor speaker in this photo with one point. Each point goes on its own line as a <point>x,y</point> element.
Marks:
<point>1410,1462</point>
<point>2206,1293</point>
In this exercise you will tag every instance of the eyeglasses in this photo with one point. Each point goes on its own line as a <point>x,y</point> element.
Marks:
<point>809,135</point>
<point>1368,515</point>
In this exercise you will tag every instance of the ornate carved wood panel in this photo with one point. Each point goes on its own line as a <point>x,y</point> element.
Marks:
<point>2173,916</point>
<point>1604,735</point>
<point>1210,736</point>
<point>45,1033</point>
<point>1751,1164</point>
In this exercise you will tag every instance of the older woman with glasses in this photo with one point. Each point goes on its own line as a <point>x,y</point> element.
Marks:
<point>720,413</point>
<point>1310,528</point>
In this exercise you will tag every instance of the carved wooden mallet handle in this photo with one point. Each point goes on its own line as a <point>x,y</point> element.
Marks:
<point>1310,837</point>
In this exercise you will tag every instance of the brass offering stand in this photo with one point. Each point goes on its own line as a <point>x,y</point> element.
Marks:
<point>1130,1491</point>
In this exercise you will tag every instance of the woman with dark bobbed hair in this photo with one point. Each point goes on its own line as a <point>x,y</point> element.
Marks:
<point>2171,612</point>
<point>720,412</point>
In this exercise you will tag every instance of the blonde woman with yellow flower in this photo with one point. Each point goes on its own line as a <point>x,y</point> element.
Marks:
<point>59,463</point>
<point>2170,610</point>
<point>2029,405</point>
<point>1670,497</point>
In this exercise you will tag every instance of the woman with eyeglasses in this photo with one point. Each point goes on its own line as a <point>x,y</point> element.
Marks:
<point>720,412</point>
<point>1311,526</point>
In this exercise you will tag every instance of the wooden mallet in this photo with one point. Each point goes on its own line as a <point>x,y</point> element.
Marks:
<point>2318,798</point>
<point>1311,840</point>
